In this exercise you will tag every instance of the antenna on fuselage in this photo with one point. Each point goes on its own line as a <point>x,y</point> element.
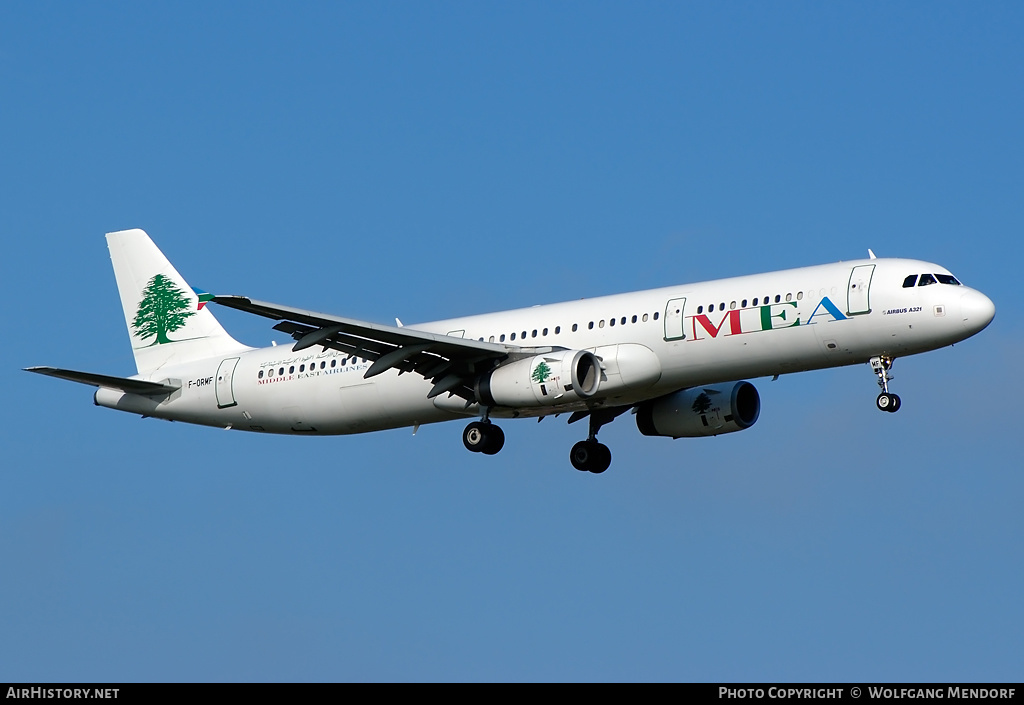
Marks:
<point>871,255</point>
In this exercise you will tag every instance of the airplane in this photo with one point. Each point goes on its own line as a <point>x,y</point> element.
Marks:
<point>677,357</point>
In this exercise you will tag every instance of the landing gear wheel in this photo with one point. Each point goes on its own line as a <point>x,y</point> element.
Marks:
<point>883,402</point>
<point>474,437</point>
<point>480,437</point>
<point>579,456</point>
<point>494,439</point>
<point>603,459</point>
<point>887,402</point>
<point>590,456</point>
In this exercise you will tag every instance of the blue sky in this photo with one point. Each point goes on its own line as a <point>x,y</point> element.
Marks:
<point>426,160</point>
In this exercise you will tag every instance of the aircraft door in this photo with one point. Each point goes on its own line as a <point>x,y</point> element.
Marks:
<point>674,319</point>
<point>225,388</point>
<point>857,294</point>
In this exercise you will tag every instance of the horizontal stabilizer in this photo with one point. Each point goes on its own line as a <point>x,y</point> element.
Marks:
<point>131,386</point>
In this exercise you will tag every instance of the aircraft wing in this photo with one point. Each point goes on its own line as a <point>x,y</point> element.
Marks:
<point>132,386</point>
<point>450,363</point>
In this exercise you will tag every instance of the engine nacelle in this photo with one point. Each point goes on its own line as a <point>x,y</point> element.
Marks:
<point>701,411</point>
<point>544,380</point>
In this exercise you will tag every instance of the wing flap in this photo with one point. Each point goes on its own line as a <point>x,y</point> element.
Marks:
<point>450,363</point>
<point>393,335</point>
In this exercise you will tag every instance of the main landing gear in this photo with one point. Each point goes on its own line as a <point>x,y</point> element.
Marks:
<point>881,365</point>
<point>590,455</point>
<point>483,437</point>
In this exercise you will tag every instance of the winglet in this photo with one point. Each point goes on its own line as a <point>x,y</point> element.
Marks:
<point>204,297</point>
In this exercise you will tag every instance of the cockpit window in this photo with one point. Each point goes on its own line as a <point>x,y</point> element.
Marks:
<point>947,279</point>
<point>910,281</point>
<point>926,279</point>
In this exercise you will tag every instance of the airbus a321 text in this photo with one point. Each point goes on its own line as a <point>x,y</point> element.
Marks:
<point>674,356</point>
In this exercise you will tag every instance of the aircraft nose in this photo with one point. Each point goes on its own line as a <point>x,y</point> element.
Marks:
<point>977,310</point>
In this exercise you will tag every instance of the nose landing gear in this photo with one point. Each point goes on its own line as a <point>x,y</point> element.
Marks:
<point>881,365</point>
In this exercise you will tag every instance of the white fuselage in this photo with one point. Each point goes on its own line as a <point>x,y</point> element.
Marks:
<point>651,343</point>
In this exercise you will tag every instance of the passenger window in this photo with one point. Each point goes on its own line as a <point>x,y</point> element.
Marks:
<point>558,329</point>
<point>910,281</point>
<point>744,304</point>
<point>575,327</point>
<point>926,279</point>
<point>334,362</point>
<point>611,322</point>
<point>789,297</point>
<point>534,335</point>
<point>260,376</point>
<point>280,371</point>
<point>512,337</point>
<point>778,298</point>
<point>302,368</point>
<point>270,373</point>
<point>545,332</point>
<point>799,296</point>
<point>732,305</point>
<point>523,336</point>
<point>590,325</point>
<point>700,309</point>
<point>601,323</point>
<point>324,364</point>
<point>721,306</point>
<point>655,315</point>
<point>645,318</point>
<point>623,321</point>
<point>634,318</point>
<point>502,338</point>
<point>491,339</point>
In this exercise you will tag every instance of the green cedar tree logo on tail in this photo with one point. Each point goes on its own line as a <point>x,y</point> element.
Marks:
<point>163,309</point>
<point>541,373</point>
<point>702,403</point>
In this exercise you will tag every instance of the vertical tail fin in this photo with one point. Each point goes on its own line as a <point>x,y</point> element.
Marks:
<point>167,321</point>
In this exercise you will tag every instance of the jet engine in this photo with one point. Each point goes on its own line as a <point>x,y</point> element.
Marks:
<point>558,377</point>
<point>701,411</point>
